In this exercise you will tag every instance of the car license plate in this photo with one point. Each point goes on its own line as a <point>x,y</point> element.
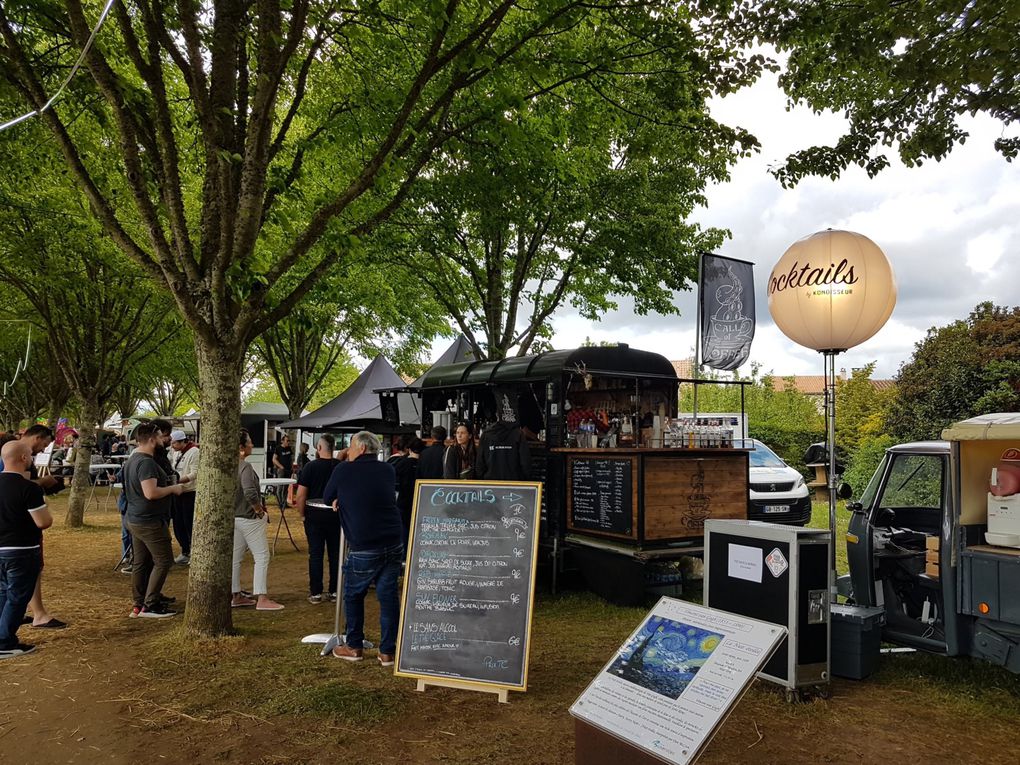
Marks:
<point>777,508</point>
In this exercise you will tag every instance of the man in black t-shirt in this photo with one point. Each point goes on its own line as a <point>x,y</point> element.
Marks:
<point>322,525</point>
<point>430,463</point>
<point>162,451</point>
<point>23,516</point>
<point>407,473</point>
<point>38,437</point>
<point>148,490</point>
<point>283,462</point>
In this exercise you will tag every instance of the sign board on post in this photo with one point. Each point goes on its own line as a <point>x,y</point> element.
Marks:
<point>669,688</point>
<point>469,585</point>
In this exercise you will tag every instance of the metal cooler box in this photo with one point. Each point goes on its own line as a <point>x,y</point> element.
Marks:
<point>777,574</point>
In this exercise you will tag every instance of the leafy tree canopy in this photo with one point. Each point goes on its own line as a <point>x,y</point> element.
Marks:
<point>902,72</point>
<point>862,409</point>
<point>966,368</point>
<point>579,194</point>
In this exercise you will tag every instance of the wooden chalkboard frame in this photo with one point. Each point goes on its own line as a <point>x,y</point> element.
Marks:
<point>635,486</point>
<point>472,683</point>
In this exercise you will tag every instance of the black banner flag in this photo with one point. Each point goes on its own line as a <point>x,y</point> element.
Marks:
<point>726,295</point>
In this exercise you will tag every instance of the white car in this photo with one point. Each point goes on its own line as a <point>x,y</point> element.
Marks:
<point>778,493</point>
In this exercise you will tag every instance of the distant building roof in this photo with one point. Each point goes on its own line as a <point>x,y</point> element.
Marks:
<point>814,385</point>
<point>684,368</point>
<point>809,385</point>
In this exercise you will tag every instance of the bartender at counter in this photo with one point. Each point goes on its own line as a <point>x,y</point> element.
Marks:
<point>503,453</point>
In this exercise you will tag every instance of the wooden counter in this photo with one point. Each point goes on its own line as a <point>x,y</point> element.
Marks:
<point>652,497</point>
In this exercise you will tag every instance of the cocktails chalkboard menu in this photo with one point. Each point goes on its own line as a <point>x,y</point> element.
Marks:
<point>469,583</point>
<point>600,493</point>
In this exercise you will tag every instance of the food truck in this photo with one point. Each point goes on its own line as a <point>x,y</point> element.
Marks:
<point>935,541</point>
<point>628,484</point>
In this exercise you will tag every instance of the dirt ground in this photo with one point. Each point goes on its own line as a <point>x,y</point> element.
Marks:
<point>115,690</point>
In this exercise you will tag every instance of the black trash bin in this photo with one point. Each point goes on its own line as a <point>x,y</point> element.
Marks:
<point>856,640</point>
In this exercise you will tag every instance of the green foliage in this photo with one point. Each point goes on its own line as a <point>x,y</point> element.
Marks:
<point>361,310</point>
<point>103,322</point>
<point>862,409</point>
<point>902,73</point>
<point>786,420</point>
<point>963,369</point>
<point>580,194</point>
<point>262,391</point>
<point>865,460</point>
<point>336,381</point>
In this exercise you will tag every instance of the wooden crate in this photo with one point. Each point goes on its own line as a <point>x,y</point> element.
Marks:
<point>680,494</point>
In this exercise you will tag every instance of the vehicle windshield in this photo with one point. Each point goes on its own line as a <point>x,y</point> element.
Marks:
<point>914,481</point>
<point>763,457</point>
<point>868,496</point>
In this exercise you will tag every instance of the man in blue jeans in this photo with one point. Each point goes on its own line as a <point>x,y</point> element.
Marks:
<point>23,516</point>
<point>363,490</point>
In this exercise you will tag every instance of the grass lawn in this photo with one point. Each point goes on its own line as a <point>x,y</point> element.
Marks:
<point>111,689</point>
<point>820,520</point>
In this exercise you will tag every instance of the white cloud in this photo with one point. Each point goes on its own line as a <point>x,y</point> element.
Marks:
<point>950,230</point>
<point>985,250</point>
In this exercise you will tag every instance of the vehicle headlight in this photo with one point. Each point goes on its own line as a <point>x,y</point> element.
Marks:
<point>798,483</point>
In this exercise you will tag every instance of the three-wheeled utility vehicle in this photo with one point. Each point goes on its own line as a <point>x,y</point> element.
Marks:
<point>930,542</point>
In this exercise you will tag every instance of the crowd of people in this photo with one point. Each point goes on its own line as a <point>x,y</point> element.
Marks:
<point>351,490</point>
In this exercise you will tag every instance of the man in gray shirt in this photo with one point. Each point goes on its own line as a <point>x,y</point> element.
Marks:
<point>148,491</point>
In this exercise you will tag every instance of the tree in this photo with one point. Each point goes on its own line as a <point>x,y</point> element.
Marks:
<point>862,409</point>
<point>21,398</point>
<point>100,318</point>
<point>574,199</point>
<point>360,310</point>
<point>963,369</point>
<point>903,74</point>
<point>171,379</point>
<point>237,152</point>
<point>786,420</point>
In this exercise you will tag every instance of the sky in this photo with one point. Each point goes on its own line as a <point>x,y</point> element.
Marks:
<point>950,230</point>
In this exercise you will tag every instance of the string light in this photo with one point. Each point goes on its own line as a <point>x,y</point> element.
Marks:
<point>22,364</point>
<point>74,70</point>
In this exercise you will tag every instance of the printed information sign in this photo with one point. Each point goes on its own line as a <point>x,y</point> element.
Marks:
<point>672,684</point>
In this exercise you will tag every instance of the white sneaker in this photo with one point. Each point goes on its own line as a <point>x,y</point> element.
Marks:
<point>183,559</point>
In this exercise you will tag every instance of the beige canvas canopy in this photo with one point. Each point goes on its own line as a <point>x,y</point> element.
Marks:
<point>1000,426</point>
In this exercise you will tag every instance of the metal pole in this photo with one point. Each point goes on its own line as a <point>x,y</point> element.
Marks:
<point>697,338</point>
<point>330,641</point>
<point>830,437</point>
<point>336,639</point>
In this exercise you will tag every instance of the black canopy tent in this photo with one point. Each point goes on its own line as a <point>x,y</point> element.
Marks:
<point>392,400</point>
<point>359,407</point>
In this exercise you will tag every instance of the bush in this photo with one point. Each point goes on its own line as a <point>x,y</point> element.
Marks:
<point>788,443</point>
<point>865,461</point>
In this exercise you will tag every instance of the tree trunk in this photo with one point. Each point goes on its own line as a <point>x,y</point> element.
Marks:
<point>219,370</point>
<point>90,414</point>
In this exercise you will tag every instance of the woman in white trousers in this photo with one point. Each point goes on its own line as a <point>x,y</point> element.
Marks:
<point>250,522</point>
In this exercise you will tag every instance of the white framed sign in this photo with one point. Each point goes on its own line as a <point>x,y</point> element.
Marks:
<point>670,686</point>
